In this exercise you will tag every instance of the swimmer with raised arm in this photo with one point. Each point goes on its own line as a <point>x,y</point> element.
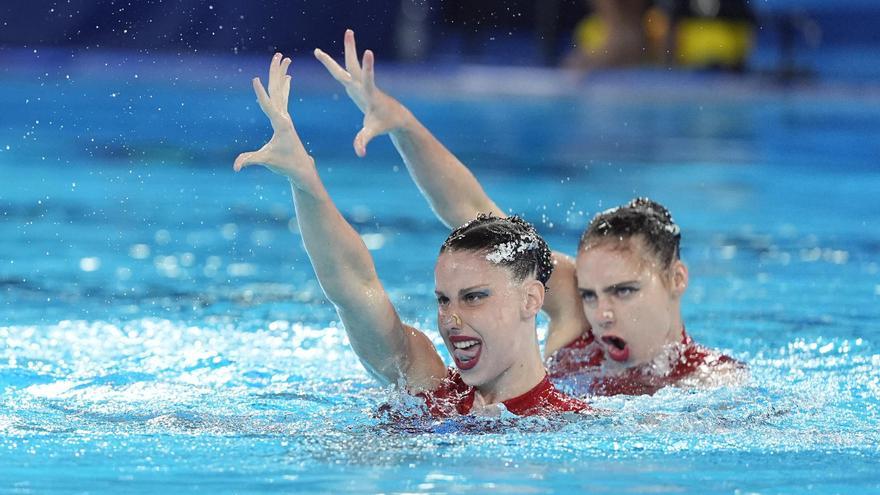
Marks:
<point>450,188</point>
<point>490,282</point>
<point>640,339</point>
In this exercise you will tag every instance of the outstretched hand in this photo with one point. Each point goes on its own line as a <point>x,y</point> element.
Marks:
<point>284,153</point>
<point>382,114</point>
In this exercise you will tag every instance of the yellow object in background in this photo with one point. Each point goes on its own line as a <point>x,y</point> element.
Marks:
<point>713,42</point>
<point>590,34</point>
<point>699,42</point>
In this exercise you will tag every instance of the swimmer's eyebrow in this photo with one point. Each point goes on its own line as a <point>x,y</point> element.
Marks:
<point>610,288</point>
<point>614,287</point>
<point>463,291</point>
<point>471,289</point>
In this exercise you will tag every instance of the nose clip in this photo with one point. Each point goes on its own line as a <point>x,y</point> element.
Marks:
<point>451,319</point>
<point>456,319</point>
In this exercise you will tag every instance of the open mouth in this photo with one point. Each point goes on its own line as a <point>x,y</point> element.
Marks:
<point>616,348</point>
<point>465,351</point>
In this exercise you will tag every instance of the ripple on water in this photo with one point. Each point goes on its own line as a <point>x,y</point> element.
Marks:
<point>298,393</point>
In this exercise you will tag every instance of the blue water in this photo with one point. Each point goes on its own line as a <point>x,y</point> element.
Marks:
<point>161,329</point>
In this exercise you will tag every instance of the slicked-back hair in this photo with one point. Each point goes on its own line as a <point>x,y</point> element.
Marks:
<point>641,216</point>
<point>510,242</point>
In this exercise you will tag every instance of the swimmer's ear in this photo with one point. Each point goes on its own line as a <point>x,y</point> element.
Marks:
<point>679,278</point>
<point>533,298</point>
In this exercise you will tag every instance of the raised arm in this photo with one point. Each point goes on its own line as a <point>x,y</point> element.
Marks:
<point>390,350</point>
<point>450,188</point>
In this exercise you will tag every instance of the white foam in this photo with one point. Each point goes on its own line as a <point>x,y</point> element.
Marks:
<point>507,251</point>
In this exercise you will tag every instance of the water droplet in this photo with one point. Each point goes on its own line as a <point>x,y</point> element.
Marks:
<point>89,264</point>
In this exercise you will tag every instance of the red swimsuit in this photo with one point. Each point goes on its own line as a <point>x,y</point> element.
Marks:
<point>584,355</point>
<point>455,397</point>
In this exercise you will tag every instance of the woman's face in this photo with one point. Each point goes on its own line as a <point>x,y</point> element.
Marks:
<point>631,301</point>
<point>484,316</point>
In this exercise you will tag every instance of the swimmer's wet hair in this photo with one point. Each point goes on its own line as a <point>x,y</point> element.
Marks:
<point>640,216</point>
<point>511,242</point>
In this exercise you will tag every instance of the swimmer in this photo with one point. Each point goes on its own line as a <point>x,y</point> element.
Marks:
<point>451,189</point>
<point>490,282</point>
<point>631,280</point>
<point>640,335</point>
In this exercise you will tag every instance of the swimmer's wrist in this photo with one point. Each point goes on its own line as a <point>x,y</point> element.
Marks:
<point>406,121</point>
<point>300,174</point>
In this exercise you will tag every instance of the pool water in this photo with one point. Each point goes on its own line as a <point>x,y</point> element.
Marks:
<point>161,329</point>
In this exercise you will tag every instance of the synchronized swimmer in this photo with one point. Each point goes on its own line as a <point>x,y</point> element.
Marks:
<point>490,281</point>
<point>614,311</point>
